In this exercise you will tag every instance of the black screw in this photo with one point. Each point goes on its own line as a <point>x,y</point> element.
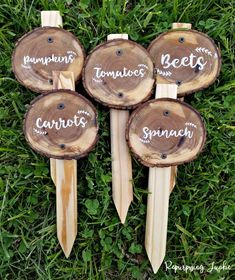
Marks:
<point>50,82</point>
<point>60,106</point>
<point>62,146</point>
<point>197,68</point>
<point>155,71</point>
<point>50,40</point>
<point>163,156</point>
<point>178,83</point>
<point>119,52</point>
<point>166,113</point>
<point>120,94</point>
<point>181,39</point>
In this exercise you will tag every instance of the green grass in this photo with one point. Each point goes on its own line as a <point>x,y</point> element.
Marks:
<point>201,214</point>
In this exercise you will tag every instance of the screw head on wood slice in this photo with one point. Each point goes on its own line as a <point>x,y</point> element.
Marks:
<point>42,51</point>
<point>119,74</point>
<point>186,57</point>
<point>165,132</point>
<point>61,125</point>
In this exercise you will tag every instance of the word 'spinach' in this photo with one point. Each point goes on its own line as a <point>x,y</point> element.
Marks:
<point>43,50</point>
<point>61,125</point>
<point>187,58</point>
<point>165,132</point>
<point>119,74</point>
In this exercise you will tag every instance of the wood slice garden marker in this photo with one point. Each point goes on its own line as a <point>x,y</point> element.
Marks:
<point>62,125</point>
<point>119,74</point>
<point>165,132</point>
<point>187,58</point>
<point>43,50</point>
<point>36,57</point>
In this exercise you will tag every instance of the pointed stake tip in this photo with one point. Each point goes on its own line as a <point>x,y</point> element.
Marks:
<point>69,247</point>
<point>66,252</point>
<point>156,267</point>
<point>123,217</point>
<point>155,270</point>
<point>154,264</point>
<point>123,221</point>
<point>122,213</point>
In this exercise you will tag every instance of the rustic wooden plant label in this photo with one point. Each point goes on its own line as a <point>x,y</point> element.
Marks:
<point>42,51</point>
<point>119,74</point>
<point>185,57</point>
<point>61,124</point>
<point>165,132</point>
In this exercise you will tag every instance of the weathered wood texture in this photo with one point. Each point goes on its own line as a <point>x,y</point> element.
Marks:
<point>61,124</point>
<point>187,58</point>
<point>43,50</point>
<point>166,132</point>
<point>122,189</point>
<point>119,74</point>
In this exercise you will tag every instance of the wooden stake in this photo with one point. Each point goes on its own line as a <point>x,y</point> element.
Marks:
<point>176,25</point>
<point>157,215</point>
<point>63,172</point>
<point>121,159</point>
<point>159,186</point>
<point>53,19</point>
<point>161,183</point>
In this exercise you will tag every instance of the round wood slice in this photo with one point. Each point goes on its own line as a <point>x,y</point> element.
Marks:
<point>42,51</point>
<point>185,57</point>
<point>61,125</point>
<point>119,74</point>
<point>165,132</point>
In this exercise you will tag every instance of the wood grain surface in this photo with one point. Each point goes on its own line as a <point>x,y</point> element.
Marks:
<point>61,124</point>
<point>43,50</point>
<point>119,74</point>
<point>66,203</point>
<point>165,132</point>
<point>187,58</point>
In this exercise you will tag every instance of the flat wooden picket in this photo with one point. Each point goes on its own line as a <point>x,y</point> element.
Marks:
<point>160,184</point>
<point>122,190</point>
<point>63,172</point>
